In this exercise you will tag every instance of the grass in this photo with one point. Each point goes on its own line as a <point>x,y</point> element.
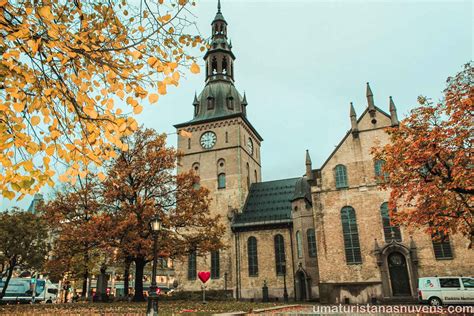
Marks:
<point>123,308</point>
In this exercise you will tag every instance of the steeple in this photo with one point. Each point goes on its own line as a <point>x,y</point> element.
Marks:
<point>353,115</point>
<point>309,168</point>
<point>393,113</point>
<point>219,57</point>
<point>370,101</point>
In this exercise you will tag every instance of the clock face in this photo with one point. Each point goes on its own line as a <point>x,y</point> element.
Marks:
<point>250,146</point>
<point>208,140</point>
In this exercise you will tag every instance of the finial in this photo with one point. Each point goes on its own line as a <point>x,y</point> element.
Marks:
<point>309,168</point>
<point>393,112</point>
<point>353,112</point>
<point>354,127</point>
<point>218,6</point>
<point>370,101</point>
<point>244,100</point>
<point>369,91</point>
<point>195,102</point>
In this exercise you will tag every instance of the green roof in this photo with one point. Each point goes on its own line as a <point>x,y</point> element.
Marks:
<point>268,203</point>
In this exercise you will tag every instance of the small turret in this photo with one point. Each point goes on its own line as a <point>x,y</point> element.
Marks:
<point>354,127</point>
<point>393,113</point>
<point>309,168</point>
<point>244,105</point>
<point>196,104</point>
<point>370,101</point>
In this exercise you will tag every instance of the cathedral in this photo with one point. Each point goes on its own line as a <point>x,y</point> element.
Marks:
<point>323,235</point>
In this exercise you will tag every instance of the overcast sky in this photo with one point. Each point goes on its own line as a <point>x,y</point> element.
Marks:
<point>302,62</point>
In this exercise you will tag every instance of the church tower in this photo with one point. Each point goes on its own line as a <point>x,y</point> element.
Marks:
<point>223,148</point>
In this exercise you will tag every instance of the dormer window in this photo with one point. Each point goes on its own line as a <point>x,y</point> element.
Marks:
<point>210,103</point>
<point>230,103</point>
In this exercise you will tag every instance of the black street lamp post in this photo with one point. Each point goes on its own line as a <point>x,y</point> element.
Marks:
<point>152,309</point>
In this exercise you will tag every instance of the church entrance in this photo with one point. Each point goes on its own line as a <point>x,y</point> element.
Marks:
<point>397,267</point>
<point>301,294</point>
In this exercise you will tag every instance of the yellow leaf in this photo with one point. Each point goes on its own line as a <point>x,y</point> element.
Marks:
<point>138,109</point>
<point>35,120</point>
<point>8,194</point>
<point>151,61</point>
<point>153,98</point>
<point>161,88</point>
<point>101,176</point>
<point>19,106</point>
<point>50,150</point>
<point>45,12</point>
<point>136,54</point>
<point>120,94</point>
<point>165,18</point>
<point>195,68</point>
<point>141,29</point>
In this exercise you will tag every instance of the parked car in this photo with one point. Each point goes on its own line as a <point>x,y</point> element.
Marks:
<point>438,291</point>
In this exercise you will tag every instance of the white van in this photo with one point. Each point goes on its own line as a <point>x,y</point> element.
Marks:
<point>446,290</point>
<point>19,290</point>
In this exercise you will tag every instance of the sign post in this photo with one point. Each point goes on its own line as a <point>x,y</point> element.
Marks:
<point>204,277</point>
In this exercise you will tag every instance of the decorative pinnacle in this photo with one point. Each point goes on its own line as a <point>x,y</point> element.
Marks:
<point>308,158</point>
<point>244,99</point>
<point>392,105</point>
<point>369,91</point>
<point>218,6</point>
<point>353,112</point>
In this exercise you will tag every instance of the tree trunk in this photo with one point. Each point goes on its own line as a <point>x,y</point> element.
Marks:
<point>84,283</point>
<point>9,276</point>
<point>126,276</point>
<point>139,267</point>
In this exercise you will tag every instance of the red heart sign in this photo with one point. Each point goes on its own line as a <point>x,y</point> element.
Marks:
<point>204,276</point>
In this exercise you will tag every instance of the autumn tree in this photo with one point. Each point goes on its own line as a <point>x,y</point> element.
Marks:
<point>23,243</point>
<point>142,183</point>
<point>429,162</point>
<point>65,68</point>
<point>76,222</point>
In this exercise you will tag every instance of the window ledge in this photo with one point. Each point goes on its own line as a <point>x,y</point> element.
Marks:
<point>446,258</point>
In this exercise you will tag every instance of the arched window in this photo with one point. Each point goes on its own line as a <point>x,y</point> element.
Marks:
<point>442,246</point>
<point>311,242</point>
<point>214,65</point>
<point>255,175</point>
<point>351,235</point>
<point>391,232</point>
<point>189,143</point>
<point>280,260</point>
<point>226,137</point>
<point>252,256</point>
<point>341,176</point>
<point>221,181</point>
<point>192,265</point>
<point>299,244</point>
<point>378,168</point>
<point>224,65</point>
<point>215,265</point>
